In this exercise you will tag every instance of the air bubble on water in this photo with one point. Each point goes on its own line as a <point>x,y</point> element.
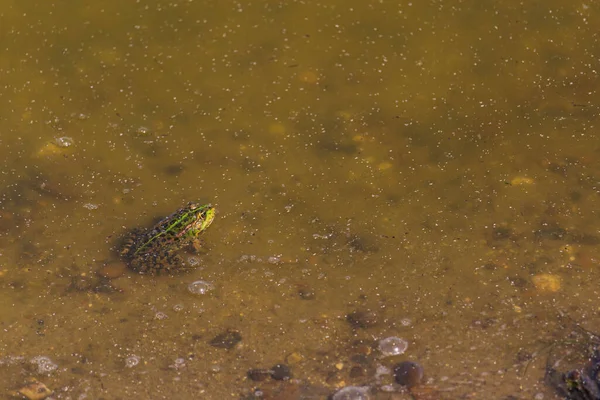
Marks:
<point>44,364</point>
<point>90,206</point>
<point>161,315</point>
<point>352,393</point>
<point>387,388</point>
<point>200,287</point>
<point>178,307</point>
<point>392,346</point>
<point>406,322</point>
<point>132,361</point>
<point>274,260</point>
<point>142,131</point>
<point>63,141</point>
<point>193,261</point>
<point>249,258</point>
<point>178,364</point>
<point>382,370</point>
<point>9,360</point>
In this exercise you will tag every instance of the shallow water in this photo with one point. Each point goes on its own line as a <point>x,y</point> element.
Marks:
<point>421,170</point>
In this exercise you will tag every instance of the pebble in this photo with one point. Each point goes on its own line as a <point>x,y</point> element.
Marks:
<point>408,373</point>
<point>294,358</point>
<point>357,372</point>
<point>258,374</point>
<point>227,339</point>
<point>281,372</point>
<point>306,293</point>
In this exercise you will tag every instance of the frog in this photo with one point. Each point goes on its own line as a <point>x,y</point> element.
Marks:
<point>157,250</point>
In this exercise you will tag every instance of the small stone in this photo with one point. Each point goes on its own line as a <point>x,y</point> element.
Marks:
<point>227,339</point>
<point>357,372</point>
<point>306,293</point>
<point>281,372</point>
<point>408,373</point>
<point>294,358</point>
<point>258,374</point>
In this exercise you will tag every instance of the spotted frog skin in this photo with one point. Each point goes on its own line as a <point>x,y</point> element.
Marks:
<point>156,251</point>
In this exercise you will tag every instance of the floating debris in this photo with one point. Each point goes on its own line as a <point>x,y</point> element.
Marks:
<point>521,180</point>
<point>32,390</point>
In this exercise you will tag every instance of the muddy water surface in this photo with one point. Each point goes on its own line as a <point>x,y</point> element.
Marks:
<point>426,170</point>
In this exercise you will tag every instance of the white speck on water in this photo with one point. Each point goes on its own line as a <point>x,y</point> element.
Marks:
<point>200,287</point>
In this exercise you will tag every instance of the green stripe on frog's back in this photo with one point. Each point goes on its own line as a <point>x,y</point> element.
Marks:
<point>188,221</point>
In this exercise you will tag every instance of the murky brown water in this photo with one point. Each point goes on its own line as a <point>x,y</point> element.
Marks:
<point>429,168</point>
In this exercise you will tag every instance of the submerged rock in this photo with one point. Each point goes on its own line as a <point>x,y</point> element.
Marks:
<point>226,340</point>
<point>408,373</point>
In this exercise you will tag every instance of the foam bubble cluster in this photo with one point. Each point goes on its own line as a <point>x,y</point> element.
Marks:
<point>44,364</point>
